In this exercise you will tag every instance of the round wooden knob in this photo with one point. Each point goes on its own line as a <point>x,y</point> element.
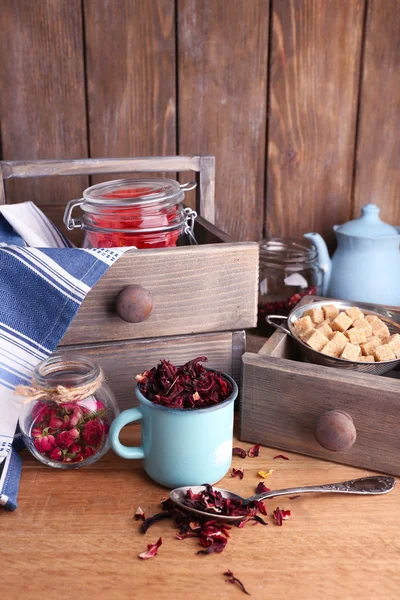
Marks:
<point>335,431</point>
<point>134,304</point>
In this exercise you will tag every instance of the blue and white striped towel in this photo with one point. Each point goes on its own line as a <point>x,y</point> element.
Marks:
<point>43,281</point>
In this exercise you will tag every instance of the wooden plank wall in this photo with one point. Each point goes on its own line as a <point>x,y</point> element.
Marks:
<point>299,100</point>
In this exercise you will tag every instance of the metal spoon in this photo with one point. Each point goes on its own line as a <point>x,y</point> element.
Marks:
<point>365,485</point>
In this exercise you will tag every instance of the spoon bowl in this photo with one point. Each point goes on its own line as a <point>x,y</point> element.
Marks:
<point>375,485</point>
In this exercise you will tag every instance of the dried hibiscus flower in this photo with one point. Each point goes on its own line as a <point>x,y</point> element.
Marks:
<point>233,579</point>
<point>239,452</point>
<point>261,488</point>
<point>212,534</point>
<point>188,386</point>
<point>213,502</point>
<point>237,472</point>
<point>281,515</point>
<point>254,451</point>
<point>281,456</point>
<point>151,551</point>
<point>139,514</point>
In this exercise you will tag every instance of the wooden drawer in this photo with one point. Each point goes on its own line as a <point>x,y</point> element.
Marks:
<point>283,397</point>
<point>121,361</point>
<point>211,287</point>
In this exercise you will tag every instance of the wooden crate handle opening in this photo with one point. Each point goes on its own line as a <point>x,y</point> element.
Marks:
<point>203,166</point>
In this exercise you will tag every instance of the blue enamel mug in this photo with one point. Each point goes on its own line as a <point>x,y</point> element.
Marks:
<point>180,446</point>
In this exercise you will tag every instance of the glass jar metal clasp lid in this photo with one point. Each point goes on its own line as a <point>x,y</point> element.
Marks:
<point>142,193</point>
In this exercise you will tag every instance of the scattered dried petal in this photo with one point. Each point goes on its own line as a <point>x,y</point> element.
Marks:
<point>151,551</point>
<point>262,488</point>
<point>294,497</point>
<point>254,451</point>
<point>281,456</point>
<point>265,474</point>
<point>233,579</point>
<point>139,514</point>
<point>281,515</point>
<point>237,472</point>
<point>147,523</point>
<point>239,452</point>
<point>259,519</point>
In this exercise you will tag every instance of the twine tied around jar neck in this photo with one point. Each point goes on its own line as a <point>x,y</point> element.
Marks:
<point>59,394</point>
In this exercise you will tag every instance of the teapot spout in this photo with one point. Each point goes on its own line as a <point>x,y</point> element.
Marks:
<point>323,258</point>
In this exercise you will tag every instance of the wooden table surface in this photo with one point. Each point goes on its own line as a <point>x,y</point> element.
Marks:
<point>73,536</point>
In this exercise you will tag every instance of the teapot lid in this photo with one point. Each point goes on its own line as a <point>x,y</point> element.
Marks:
<point>368,225</point>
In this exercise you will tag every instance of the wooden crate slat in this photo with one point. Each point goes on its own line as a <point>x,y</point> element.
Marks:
<point>222,86</point>
<point>42,100</point>
<point>312,114</point>
<point>378,154</point>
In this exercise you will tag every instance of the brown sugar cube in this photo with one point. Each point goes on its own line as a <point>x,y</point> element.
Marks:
<point>303,326</point>
<point>371,318</point>
<point>338,340</point>
<point>356,335</point>
<point>316,315</point>
<point>341,322</point>
<point>325,328</point>
<point>330,311</point>
<point>383,353</point>
<point>368,347</point>
<point>316,340</point>
<point>394,342</point>
<point>330,349</point>
<point>354,313</point>
<point>350,352</point>
<point>380,329</point>
<point>369,358</point>
<point>363,324</point>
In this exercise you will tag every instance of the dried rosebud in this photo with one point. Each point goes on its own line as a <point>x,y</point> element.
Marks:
<point>281,456</point>
<point>99,405</point>
<point>45,443</point>
<point>93,432</point>
<point>37,432</point>
<point>261,488</point>
<point>75,448</point>
<point>237,473</point>
<point>75,417</point>
<point>139,514</point>
<point>57,454</point>
<point>254,451</point>
<point>56,422</point>
<point>65,439</point>
<point>239,452</point>
<point>151,551</point>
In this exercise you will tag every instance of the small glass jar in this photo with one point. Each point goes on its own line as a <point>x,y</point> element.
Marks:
<point>289,270</point>
<point>72,434</point>
<point>144,213</point>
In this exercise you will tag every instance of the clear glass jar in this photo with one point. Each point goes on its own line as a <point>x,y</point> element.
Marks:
<point>71,434</point>
<point>289,270</point>
<point>145,213</point>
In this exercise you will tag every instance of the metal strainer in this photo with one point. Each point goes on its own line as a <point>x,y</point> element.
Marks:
<point>391,318</point>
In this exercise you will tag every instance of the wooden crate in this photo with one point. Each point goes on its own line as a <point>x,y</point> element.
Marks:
<point>282,398</point>
<point>204,296</point>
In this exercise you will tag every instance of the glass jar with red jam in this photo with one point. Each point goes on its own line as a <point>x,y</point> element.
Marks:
<point>289,270</point>
<point>144,213</point>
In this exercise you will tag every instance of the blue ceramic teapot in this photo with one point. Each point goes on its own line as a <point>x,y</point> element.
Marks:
<point>366,264</point>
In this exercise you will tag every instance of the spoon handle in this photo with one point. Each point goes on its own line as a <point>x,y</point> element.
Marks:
<point>366,485</point>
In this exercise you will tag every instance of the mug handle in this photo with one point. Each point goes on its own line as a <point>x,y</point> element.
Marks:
<point>128,416</point>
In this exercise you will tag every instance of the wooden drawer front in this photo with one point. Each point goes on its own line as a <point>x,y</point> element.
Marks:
<point>122,361</point>
<point>281,399</point>
<point>196,289</point>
